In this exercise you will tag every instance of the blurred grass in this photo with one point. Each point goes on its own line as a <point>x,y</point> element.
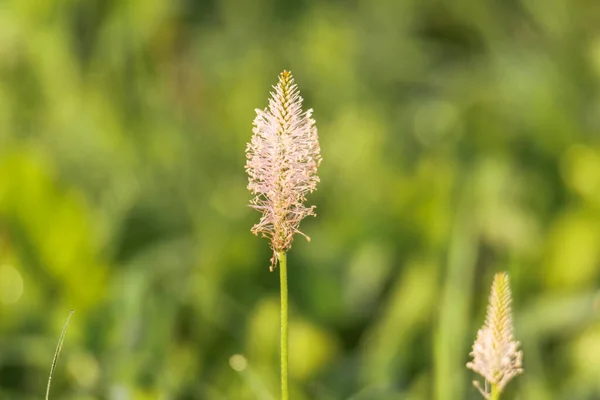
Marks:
<point>459,139</point>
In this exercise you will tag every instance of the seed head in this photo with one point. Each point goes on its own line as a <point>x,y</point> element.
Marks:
<point>282,160</point>
<point>495,353</point>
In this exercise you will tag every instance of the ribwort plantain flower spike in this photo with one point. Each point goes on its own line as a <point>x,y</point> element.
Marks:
<point>282,160</point>
<point>496,354</point>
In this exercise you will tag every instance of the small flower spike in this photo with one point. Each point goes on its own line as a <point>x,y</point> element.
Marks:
<point>282,160</point>
<point>496,356</point>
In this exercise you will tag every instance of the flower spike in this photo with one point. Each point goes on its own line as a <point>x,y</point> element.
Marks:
<point>282,160</point>
<point>496,354</point>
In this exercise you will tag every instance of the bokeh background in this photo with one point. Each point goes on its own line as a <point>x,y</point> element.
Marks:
<point>459,138</point>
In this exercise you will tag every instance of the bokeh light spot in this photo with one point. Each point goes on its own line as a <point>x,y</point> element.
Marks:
<point>11,284</point>
<point>238,362</point>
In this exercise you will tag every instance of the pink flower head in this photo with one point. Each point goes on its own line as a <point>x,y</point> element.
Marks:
<point>282,161</point>
<point>496,354</point>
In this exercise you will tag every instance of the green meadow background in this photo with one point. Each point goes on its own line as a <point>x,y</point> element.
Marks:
<point>459,139</point>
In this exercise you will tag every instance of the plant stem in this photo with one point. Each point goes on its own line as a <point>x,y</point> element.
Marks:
<point>284,324</point>
<point>495,395</point>
<point>57,353</point>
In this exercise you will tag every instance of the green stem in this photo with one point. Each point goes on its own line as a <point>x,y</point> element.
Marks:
<point>495,395</point>
<point>61,339</point>
<point>284,324</point>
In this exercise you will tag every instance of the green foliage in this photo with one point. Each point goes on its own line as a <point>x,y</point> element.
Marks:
<point>458,139</point>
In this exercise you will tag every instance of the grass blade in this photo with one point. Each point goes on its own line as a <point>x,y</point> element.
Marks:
<point>57,352</point>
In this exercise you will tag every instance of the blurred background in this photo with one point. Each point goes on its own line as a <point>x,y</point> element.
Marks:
<point>459,139</point>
